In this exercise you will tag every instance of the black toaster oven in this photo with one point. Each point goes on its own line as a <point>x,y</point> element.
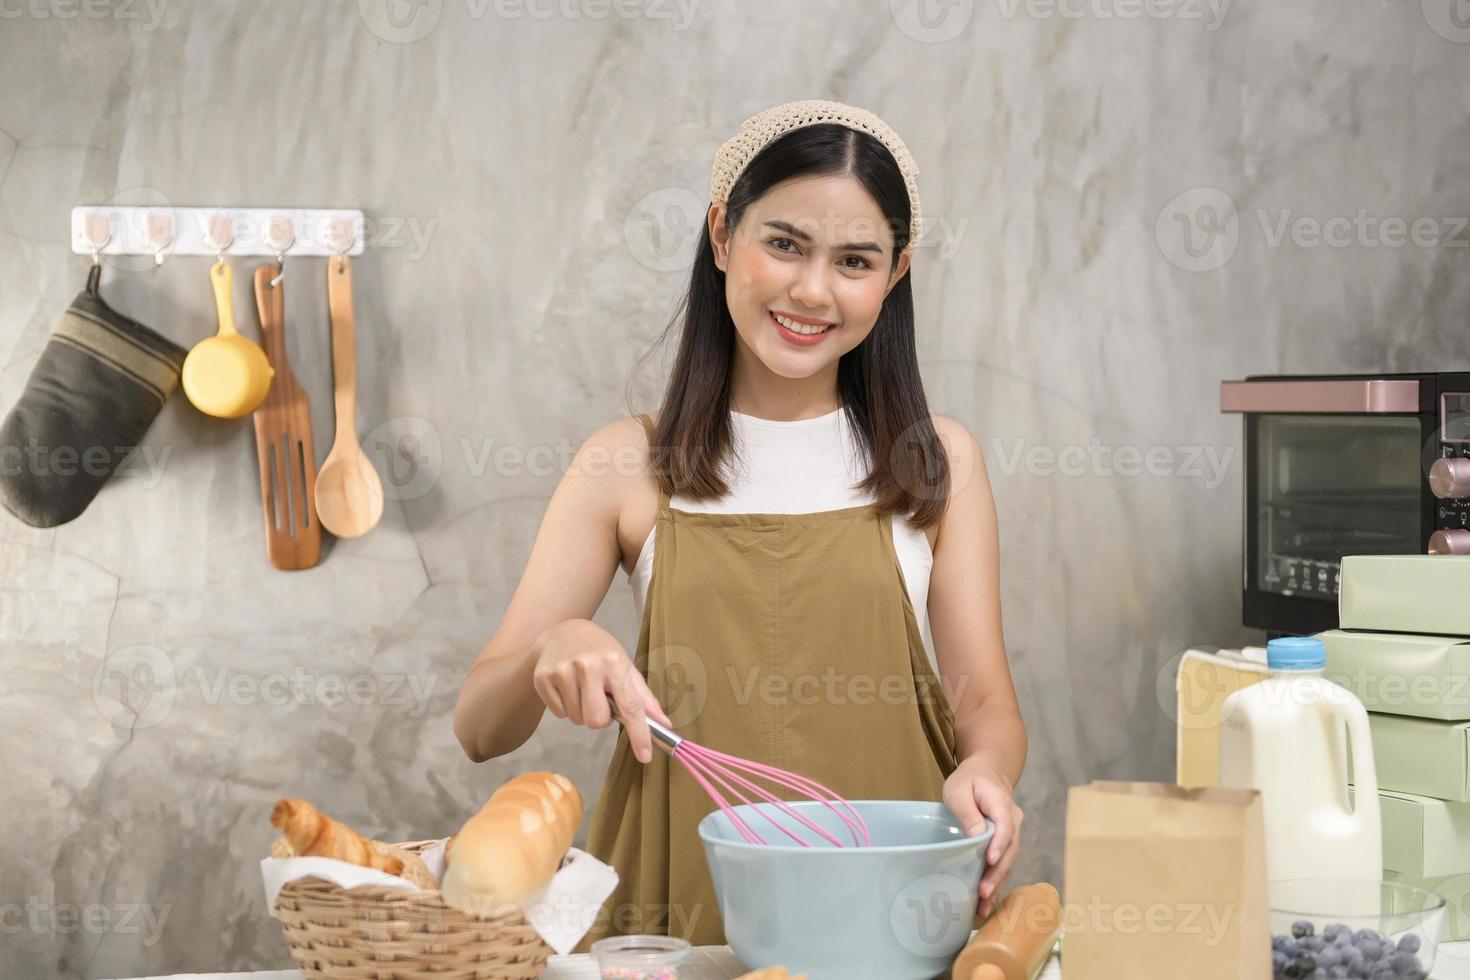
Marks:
<point>1345,465</point>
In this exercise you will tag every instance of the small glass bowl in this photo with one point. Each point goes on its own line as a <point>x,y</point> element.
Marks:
<point>640,957</point>
<point>1394,915</point>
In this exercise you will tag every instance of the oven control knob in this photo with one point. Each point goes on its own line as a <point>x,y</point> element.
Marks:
<point>1450,478</point>
<point>1456,542</point>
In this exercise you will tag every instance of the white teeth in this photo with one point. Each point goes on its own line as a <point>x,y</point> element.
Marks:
<point>795,327</point>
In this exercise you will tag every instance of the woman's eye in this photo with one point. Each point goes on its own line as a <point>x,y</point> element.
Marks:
<point>779,243</point>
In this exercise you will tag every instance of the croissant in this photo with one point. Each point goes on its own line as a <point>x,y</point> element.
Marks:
<point>314,834</point>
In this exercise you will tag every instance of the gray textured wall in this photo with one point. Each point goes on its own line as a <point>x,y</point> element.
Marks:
<point>532,171</point>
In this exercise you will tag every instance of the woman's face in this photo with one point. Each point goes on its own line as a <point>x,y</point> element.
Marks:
<point>816,250</point>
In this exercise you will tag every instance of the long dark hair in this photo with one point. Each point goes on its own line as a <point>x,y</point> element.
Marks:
<point>878,381</point>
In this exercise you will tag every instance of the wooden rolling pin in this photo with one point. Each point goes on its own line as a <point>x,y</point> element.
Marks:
<point>1015,942</point>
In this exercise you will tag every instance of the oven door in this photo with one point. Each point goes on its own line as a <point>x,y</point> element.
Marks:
<point>1321,484</point>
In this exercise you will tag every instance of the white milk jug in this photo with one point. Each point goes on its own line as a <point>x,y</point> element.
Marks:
<point>1284,736</point>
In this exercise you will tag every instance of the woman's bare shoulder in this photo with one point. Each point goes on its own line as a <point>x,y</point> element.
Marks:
<point>959,443</point>
<point>624,436</point>
<point>620,452</point>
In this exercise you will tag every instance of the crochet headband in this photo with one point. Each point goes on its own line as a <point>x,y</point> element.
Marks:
<point>770,124</point>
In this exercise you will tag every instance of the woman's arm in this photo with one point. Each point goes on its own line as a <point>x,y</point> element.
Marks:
<point>964,618</point>
<point>571,566</point>
<point>964,614</point>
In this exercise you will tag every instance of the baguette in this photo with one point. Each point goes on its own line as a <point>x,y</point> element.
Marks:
<point>510,850</point>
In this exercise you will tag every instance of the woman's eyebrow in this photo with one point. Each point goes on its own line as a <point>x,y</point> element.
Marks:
<point>796,232</point>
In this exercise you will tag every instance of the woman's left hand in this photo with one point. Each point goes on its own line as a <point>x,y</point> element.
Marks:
<point>973,792</point>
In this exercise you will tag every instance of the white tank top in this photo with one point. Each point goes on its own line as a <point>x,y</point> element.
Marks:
<point>801,467</point>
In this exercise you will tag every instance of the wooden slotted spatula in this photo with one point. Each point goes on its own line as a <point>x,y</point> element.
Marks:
<point>349,495</point>
<point>293,535</point>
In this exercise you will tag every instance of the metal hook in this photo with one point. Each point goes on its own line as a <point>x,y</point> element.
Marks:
<point>94,222</point>
<point>220,232</point>
<point>342,233</point>
<point>281,233</point>
<point>160,234</point>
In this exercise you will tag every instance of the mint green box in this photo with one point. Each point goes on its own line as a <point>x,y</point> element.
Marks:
<point>1423,837</point>
<point>1422,756</point>
<point>1405,594</point>
<point>1402,673</point>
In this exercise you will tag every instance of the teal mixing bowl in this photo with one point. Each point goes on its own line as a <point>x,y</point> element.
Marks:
<point>899,910</point>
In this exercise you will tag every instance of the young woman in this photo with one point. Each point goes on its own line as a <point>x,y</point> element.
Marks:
<point>805,541</point>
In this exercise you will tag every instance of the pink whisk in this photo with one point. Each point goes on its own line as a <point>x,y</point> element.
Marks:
<point>716,770</point>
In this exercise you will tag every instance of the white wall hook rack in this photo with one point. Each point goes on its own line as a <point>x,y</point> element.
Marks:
<point>166,231</point>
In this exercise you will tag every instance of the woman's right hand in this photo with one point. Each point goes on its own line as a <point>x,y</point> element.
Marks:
<point>579,667</point>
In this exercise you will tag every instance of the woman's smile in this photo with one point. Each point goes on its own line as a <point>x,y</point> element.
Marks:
<point>798,332</point>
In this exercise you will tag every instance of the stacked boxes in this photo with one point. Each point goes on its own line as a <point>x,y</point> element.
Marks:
<point>1404,649</point>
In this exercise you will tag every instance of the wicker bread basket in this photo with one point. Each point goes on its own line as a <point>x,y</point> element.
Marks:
<point>376,933</point>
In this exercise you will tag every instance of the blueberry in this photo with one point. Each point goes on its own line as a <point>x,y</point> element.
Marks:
<point>1403,962</point>
<point>1409,943</point>
<point>1278,961</point>
<point>1302,928</point>
<point>1329,957</point>
<point>1372,950</point>
<point>1363,934</point>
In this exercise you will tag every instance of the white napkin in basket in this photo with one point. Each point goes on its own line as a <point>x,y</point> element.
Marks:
<point>561,913</point>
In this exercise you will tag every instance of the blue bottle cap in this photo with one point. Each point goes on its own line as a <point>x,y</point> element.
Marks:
<point>1296,653</point>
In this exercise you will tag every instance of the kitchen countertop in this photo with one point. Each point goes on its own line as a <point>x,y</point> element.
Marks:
<point>718,963</point>
<point>704,963</point>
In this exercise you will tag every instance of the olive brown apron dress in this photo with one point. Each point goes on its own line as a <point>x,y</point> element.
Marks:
<point>787,639</point>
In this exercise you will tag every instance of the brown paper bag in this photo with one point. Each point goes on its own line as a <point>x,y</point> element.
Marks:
<point>1165,882</point>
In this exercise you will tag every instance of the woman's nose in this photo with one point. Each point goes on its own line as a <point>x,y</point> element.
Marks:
<point>811,289</point>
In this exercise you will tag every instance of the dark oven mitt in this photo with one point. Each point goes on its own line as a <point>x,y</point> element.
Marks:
<point>96,388</point>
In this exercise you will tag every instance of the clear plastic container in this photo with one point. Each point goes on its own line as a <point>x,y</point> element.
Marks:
<point>640,957</point>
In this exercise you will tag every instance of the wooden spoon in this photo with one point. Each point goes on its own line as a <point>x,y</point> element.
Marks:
<point>349,495</point>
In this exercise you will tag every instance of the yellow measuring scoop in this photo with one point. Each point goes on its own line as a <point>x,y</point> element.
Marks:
<point>226,375</point>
